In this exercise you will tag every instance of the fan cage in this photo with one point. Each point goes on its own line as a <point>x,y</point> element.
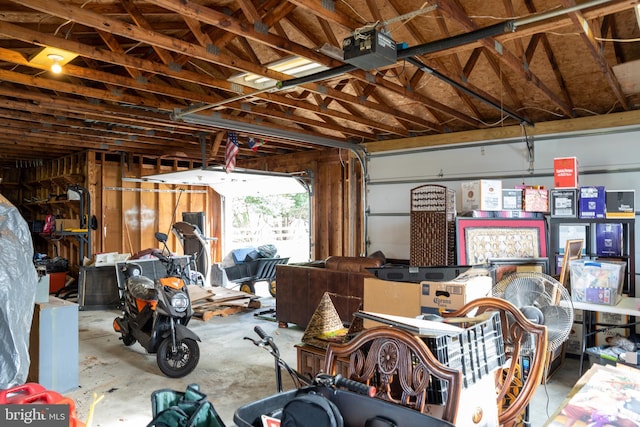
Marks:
<point>554,297</point>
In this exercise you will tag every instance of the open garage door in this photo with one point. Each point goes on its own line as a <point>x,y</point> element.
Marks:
<point>257,207</point>
<point>241,182</point>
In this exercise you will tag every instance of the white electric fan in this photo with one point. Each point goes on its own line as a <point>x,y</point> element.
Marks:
<point>543,300</point>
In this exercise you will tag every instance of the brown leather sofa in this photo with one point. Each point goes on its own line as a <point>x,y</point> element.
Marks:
<point>300,287</point>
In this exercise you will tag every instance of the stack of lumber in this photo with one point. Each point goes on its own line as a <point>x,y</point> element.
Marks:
<point>218,301</point>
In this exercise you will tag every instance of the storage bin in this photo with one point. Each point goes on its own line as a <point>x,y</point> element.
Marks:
<point>356,410</point>
<point>597,282</point>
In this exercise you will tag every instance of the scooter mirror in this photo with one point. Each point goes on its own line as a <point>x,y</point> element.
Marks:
<point>161,237</point>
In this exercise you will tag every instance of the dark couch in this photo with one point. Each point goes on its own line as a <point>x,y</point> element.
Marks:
<point>300,287</point>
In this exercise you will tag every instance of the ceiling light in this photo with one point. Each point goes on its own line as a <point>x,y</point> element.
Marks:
<point>295,66</point>
<point>50,57</point>
<point>56,68</point>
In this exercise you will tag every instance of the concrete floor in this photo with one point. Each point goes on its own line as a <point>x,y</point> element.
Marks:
<point>232,371</point>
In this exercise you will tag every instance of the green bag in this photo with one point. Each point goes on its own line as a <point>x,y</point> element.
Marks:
<point>190,408</point>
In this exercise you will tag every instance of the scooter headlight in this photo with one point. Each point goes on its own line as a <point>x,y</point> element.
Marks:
<point>180,302</point>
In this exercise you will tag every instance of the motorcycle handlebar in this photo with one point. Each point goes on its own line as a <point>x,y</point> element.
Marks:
<point>158,254</point>
<point>261,333</point>
<point>340,381</point>
<point>266,339</point>
<point>354,386</point>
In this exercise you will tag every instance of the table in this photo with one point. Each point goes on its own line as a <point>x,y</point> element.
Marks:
<point>603,393</point>
<point>627,306</point>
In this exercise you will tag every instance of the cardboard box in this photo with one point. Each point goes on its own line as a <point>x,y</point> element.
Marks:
<point>574,342</point>
<point>592,202</point>
<point>603,318</point>
<point>564,203</point>
<point>620,204</point>
<point>565,172</point>
<point>385,296</point>
<point>608,239</point>
<point>518,214</point>
<point>110,258</point>
<point>453,294</point>
<point>483,195</point>
<point>511,199</point>
<point>604,337</point>
<point>535,200</point>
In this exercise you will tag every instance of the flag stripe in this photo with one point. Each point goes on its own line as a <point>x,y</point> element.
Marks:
<point>231,151</point>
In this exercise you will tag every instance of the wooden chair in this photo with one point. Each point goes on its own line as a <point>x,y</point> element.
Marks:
<point>400,366</point>
<point>514,390</point>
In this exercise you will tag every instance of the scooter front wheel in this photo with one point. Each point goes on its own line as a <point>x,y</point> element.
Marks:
<point>181,362</point>
<point>128,340</point>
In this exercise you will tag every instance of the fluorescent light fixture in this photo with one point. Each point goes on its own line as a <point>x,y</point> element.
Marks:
<point>295,66</point>
<point>637,9</point>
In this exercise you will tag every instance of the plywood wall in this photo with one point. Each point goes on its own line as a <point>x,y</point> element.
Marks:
<point>128,211</point>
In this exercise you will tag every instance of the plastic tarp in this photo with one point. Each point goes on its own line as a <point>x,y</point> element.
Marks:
<point>18,282</point>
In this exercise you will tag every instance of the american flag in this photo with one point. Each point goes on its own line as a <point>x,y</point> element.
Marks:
<point>232,150</point>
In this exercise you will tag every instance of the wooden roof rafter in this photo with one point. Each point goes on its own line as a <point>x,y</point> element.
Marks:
<point>118,27</point>
<point>149,37</point>
<point>250,12</point>
<point>70,140</point>
<point>496,65</point>
<point>165,90</point>
<point>531,48</point>
<point>419,39</point>
<point>309,36</point>
<point>40,118</point>
<point>337,17</point>
<point>454,11</point>
<point>330,35</point>
<point>587,36</point>
<point>455,61</point>
<point>142,66</point>
<point>399,88</point>
<point>240,28</point>
<point>551,24</point>
<point>107,112</point>
<point>139,19</point>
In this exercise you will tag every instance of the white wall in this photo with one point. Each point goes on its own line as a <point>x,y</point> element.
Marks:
<point>609,157</point>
